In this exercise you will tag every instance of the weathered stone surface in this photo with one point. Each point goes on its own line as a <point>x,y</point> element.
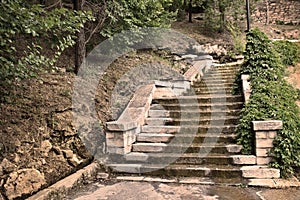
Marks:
<point>67,183</point>
<point>272,134</point>
<point>263,160</point>
<point>264,143</point>
<point>24,181</point>
<point>163,92</point>
<point>75,161</point>
<point>149,147</point>
<point>121,126</point>
<point>267,125</point>
<point>243,159</point>
<point>262,172</point>
<point>46,146</point>
<point>261,134</point>
<point>7,166</point>
<point>68,153</point>
<point>152,137</point>
<point>119,150</point>
<point>274,183</point>
<point>262,183</point>
<point>246,87</point>
<point>262,152</point>
<point>135,156</point>
<point>233,148</point>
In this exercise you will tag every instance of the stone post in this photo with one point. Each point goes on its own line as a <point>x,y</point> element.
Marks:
<point>265,133</point>
<point>246,87</point>
<point>120,136</point>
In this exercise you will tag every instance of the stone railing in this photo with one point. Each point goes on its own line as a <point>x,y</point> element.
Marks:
<point>122,133</point>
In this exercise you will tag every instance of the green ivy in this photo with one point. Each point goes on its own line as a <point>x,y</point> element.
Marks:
<point>271,98</point>
<point>289,52</point>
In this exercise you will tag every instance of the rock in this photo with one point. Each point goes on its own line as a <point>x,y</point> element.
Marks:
<point>57,150</point>
<point>17,142</point>
<point>23,182</point>
<point>75,161</point>
<point>68,154</point>
<point>189,56</point>
<point>1,147</point>
<point>1,171</point>
<point>17,158</point>
<point>46,146</point>
<point>7,166</point>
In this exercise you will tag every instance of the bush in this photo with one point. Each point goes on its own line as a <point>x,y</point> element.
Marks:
<point>289,52</point>
<point>271,98</point>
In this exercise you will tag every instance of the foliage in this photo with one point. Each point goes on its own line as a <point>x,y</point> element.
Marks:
<point>238,39</point>
<point>271,98</point>
<point>133,14</point>
<point>26,28</point>
<point>219,12</point>
<point>289,52</point>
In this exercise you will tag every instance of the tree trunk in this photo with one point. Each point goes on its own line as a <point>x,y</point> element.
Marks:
<point>267,12</point>
<point>80,42</point>
<point>190,11</point>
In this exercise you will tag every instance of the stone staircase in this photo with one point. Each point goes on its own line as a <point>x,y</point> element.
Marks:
<point>191,135</point>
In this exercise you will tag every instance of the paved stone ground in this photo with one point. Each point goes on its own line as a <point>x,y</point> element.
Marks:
<point>135,190</point>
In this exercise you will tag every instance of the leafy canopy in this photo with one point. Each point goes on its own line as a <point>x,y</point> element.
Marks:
<point>26,29</point>
<point>132,14</point>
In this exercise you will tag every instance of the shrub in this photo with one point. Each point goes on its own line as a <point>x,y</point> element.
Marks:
<point>271,98</point>
<point>289,52</point>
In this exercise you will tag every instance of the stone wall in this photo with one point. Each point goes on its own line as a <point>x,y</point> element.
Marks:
<point>280,11</point>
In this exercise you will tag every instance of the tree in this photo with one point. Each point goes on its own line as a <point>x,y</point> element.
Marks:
<point>80,50</point>
<point>130,14</point>
<point>26,29</point>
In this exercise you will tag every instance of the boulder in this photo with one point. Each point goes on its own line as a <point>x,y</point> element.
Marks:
<point>23,182</point>
<point>7,166</point>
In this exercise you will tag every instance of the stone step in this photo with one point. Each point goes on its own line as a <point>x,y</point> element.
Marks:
<point>214,81</point>
<point>219,148</point>
<point>201,99</point>
<point>214,107</point>
<point>220,76</point>
<point>186,158</point>
<point>190,114</point>
<point>189,129</point>
<point>154,137</point>
<point>215,84</point>
<point>196,120</point>
<point>186,138</point>
<point>222,71</point>
<point>212,87</point>
<point>210,91</point>
<point>177,170</point>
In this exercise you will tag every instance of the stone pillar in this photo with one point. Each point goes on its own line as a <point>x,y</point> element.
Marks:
<point>246,87</point>
<point>265,133</point>
<point>121,136</point>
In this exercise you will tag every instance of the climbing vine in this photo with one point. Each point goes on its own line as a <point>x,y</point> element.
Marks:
<point>271,98</point>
